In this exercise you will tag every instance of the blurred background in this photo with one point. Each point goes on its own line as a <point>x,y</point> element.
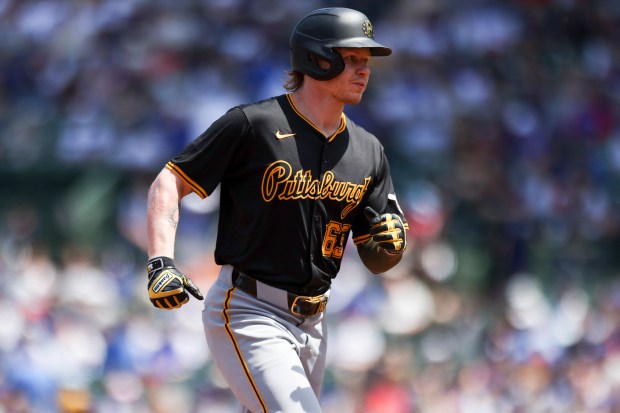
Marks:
<point>500,122</point>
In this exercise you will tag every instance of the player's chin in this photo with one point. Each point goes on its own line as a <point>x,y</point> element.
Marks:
<point>353,98</point>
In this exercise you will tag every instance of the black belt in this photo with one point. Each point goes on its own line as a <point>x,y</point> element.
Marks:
<point>301,305</point>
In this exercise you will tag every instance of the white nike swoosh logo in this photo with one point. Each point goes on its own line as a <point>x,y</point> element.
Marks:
<point>281,135</point>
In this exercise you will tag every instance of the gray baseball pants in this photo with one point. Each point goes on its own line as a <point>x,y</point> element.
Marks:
<point>272,359</point>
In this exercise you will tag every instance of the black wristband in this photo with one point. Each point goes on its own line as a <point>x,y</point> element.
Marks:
<point>158,263</point>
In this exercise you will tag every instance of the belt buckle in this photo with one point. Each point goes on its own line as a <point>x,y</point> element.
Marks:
<point>321,300</point>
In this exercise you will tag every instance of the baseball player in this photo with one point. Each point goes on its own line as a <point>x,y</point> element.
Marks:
<point>298,178</point>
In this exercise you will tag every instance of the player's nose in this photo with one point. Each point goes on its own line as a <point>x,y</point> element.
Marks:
<point>363,70</point>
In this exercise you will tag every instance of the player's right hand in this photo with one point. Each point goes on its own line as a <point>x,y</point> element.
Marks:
<point>168,287</point>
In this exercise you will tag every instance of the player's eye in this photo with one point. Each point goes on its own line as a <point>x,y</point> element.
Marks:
<point>356,60</point>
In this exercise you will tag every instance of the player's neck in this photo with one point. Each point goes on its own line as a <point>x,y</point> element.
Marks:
<point>323,111</point>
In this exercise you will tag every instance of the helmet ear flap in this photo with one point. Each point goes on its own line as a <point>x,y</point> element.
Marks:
<point>336,65</point>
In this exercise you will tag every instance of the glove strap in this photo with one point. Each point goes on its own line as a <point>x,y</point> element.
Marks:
<point>158,263</point>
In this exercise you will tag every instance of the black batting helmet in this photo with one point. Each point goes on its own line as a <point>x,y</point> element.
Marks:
<point>319,32</point>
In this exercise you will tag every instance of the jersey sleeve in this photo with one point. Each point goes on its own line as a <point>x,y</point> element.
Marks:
<point>381,198</point>
<point>205,161</point>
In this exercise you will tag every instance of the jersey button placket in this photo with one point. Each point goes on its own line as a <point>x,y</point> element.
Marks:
<point>317,216</point>
<point>324,156</point>
<point>317,220</point>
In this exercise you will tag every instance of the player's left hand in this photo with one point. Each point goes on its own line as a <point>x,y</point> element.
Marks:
<point>168,287</point>
<point>387,230</point>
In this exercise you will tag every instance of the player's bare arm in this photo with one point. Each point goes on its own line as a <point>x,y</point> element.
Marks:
<point>164,197</point>
<point>168,288</point>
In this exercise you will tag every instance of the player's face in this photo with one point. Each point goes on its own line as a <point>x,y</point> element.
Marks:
<point>349,85</point>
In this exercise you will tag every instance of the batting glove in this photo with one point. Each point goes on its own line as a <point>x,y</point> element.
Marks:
<point>387,230</point>
<point>168,287</point>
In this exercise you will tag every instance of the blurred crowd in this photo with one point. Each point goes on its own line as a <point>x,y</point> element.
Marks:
<point>500,122</point>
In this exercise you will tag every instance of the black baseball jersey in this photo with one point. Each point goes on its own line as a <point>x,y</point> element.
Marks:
<point>290,196</point>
